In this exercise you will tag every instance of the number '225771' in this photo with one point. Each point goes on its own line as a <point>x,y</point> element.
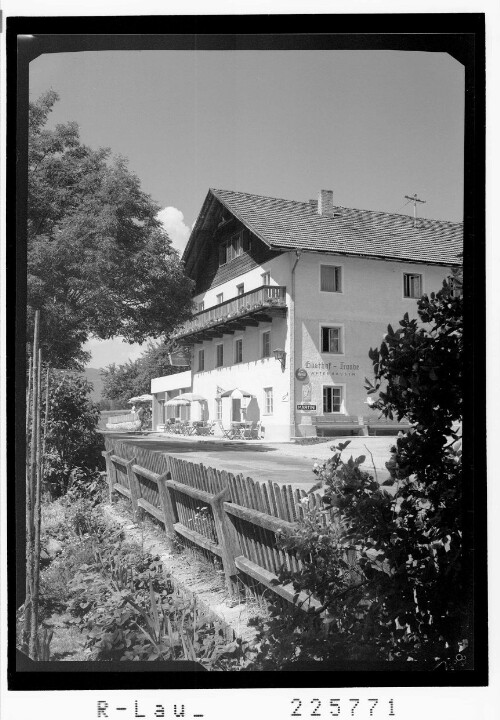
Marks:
<point>338,707</point>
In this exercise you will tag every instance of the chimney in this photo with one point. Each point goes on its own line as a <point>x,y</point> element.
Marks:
<point>325,203</point>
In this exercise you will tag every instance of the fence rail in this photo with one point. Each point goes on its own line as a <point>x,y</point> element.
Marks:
<point>115,419</point>
<point>232,517</point>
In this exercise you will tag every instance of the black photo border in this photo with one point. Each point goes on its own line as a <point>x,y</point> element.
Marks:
<point>460,35</point>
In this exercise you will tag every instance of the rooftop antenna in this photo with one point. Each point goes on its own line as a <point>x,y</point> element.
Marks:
<point>414,199</point>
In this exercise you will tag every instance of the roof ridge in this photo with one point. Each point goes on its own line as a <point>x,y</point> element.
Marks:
<point>265,197</point>
<point>340,207</point>
<point>395,214</point>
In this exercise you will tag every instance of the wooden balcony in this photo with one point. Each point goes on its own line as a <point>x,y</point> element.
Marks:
<point>247,310</point>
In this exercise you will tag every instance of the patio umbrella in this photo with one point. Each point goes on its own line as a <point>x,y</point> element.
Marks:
<point>140,398</point>
<point>192,397</point>
<point>177,401</point>
<point>236,393</point>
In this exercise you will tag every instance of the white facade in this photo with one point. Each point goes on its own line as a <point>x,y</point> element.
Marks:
<point>324,309</point>
<point>371,296</point>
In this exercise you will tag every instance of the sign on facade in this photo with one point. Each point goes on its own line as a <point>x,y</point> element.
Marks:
<point>300,374</point>
<point>303,407</point>
<point>179,359</point>
<point>307,393</point>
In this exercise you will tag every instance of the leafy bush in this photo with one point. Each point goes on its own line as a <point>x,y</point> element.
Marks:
<point>130,611</point>
<point>418,373</point>
<point>87,486</point>
<point>73,445</point>
<point>387,577</point>
<point>388,566</point>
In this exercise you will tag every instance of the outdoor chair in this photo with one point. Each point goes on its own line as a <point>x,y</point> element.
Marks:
<point>227,432</point>
<point>249,432</point>
<point>201,429</point>
<point>255,430</point>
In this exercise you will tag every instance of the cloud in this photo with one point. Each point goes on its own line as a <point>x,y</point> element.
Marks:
<point>172,220</point>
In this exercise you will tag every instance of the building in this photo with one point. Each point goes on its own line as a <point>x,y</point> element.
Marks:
<point>289,298</point>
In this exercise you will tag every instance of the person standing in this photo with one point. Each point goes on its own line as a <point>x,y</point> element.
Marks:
<point>141,416</point>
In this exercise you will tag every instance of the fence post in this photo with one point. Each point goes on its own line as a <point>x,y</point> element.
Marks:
<point>134,488</point>
<point>110,470</point>
<point>227,538</point>
<point>168,507</point>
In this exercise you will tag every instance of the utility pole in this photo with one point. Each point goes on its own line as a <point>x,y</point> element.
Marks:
<point>414,199</point>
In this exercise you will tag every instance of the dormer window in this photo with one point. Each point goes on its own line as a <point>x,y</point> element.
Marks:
<point>231,248</point>
<point>234,247</point>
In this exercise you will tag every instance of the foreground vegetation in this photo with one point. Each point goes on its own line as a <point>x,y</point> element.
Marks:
<point>115,599</point>
<point>388,568</point>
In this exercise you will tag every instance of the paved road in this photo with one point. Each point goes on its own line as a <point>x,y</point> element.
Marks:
<point>281,463</point>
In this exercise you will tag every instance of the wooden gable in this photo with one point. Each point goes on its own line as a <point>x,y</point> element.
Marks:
<point>223,249</point>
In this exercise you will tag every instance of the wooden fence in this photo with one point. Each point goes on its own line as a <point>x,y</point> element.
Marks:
<point>233,517</point>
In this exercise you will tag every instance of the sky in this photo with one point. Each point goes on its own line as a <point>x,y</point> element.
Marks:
<point>373,126</point>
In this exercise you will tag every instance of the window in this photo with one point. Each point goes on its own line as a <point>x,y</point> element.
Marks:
<point>266,278</point>
<point>234,247</point>
<point>412,285</point>
<point>231,249</point>
<point>218,409</point>
<point>268,401</point>
<point>266,344</point>
<point>331,278</point>
<point>332,399</point>
<point>220,298</point>
<point>240,289</point>
<point>219,357</point>
<point>201,360</point>
<point>331,340</point>
<point>238,350</point>
<point>201,306</point>
<point>222,253</point>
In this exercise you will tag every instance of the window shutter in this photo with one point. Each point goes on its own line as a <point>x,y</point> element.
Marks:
<point>222,253</point>
<point>338,281</point>
<point>324,339</point>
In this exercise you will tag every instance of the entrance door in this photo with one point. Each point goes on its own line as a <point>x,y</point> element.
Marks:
<point>236,414</point>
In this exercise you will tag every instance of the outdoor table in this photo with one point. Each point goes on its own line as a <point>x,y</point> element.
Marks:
<point>239,427</point>
<point>201,428</point>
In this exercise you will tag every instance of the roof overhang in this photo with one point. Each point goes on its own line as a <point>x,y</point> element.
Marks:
<point>366,256</point>
<point>208,208</point>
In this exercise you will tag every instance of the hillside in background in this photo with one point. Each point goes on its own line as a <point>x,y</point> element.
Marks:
<point>94,377</point>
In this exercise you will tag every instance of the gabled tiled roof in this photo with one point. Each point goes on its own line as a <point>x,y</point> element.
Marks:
<point>287,224</point>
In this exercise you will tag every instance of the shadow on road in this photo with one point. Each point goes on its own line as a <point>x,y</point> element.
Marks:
<point>185,446</point>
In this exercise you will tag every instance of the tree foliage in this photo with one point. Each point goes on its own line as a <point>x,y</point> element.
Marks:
<point>73,445</point>
<point>121,382</point>
<point>98,260</point>
<point>386,561</point>
<point>418,375</point>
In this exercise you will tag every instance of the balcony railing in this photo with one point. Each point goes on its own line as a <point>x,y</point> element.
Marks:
<point>259,305</point>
